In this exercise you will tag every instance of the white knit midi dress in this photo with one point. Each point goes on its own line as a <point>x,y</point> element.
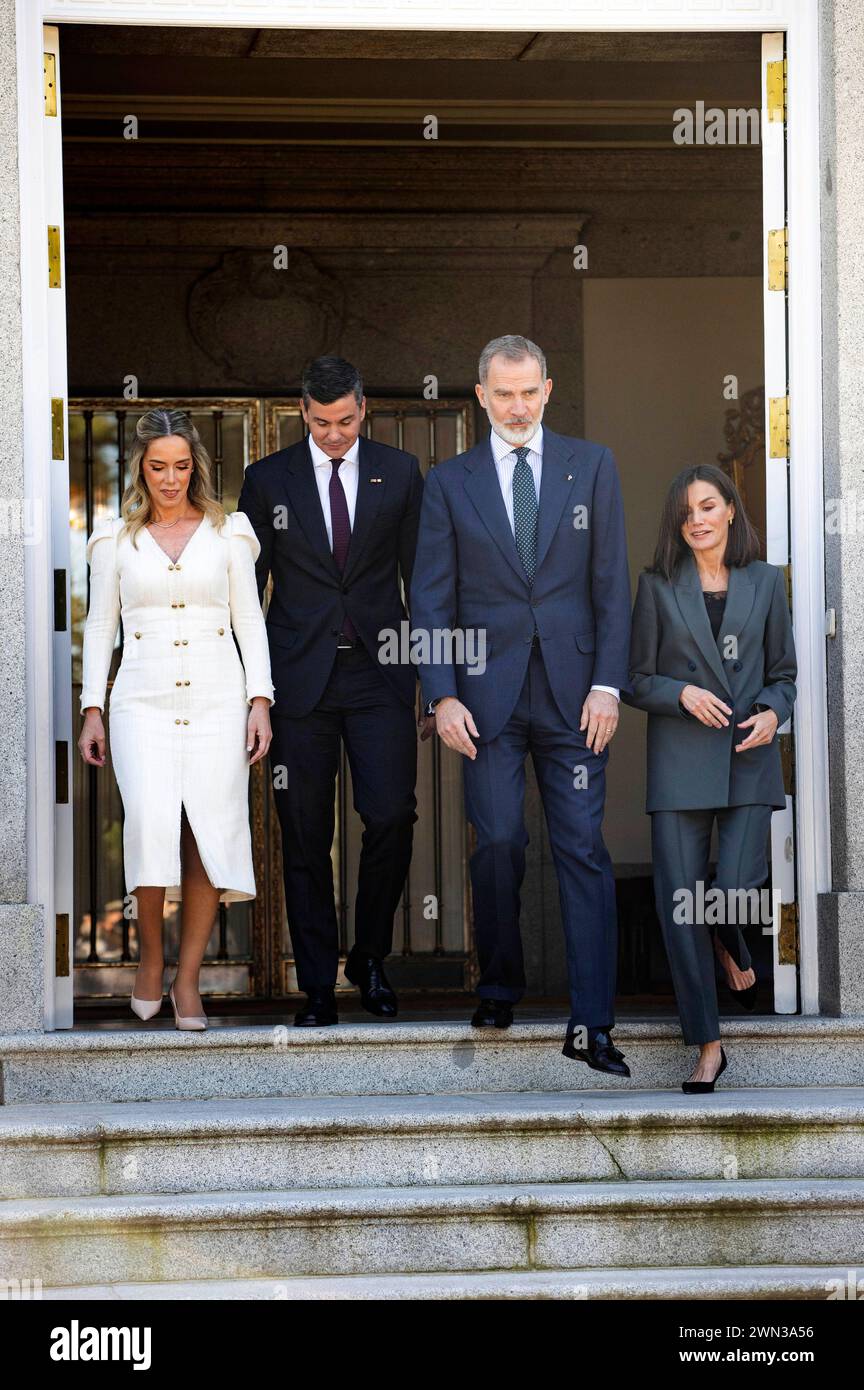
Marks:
<point>181,697</point>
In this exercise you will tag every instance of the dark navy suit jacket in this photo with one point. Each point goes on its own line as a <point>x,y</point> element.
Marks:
<point>310,598</point>
<point>468,574</point>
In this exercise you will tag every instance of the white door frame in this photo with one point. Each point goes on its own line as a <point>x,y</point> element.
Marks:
<point>797,18</point>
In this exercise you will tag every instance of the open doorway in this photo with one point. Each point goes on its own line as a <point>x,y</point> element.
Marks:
<point>426,204</point>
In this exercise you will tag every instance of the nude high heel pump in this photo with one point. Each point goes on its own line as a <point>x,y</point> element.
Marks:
<point>145,1008</point>
<point>194,1023</point>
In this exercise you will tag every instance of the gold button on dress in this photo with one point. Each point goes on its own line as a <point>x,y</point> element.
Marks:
<point>179,672</point>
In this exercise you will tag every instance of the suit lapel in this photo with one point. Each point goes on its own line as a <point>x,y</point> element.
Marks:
<point>556,484</point>
<point>740,598</point>
<point>484,489</point>
<point>302,491</point>
<point>369,498</point>
<point>688,593</point>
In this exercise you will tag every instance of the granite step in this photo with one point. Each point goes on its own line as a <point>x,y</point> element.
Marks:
<point>146,1063</point>
<point>783,1282</point>
<point>467,1228</point>
<point>326,1142</point>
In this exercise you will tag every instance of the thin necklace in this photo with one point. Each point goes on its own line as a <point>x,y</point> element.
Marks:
<point>166,525</point>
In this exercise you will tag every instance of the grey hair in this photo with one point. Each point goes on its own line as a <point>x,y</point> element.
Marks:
<point>514,347</point>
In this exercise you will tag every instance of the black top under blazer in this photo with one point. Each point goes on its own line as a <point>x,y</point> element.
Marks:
<point>690,765</point>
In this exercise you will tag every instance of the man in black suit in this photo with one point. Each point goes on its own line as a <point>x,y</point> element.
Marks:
<point>337,517</point>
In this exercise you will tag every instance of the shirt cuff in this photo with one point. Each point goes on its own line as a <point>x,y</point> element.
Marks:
<point>429,707</point>
<point>610,689</point>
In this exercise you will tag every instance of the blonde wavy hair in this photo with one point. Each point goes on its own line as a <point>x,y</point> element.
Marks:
<point>136,508</point>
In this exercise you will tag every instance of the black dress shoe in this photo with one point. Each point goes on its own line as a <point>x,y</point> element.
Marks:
<point>601,1054</point>
<point>318,1011</point>
<point>376,994</point>
<point>493,1013</point>
<point>704,1088</point>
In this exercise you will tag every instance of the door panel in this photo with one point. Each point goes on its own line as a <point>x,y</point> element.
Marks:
<point>249,956</point>
<point>777,527</point>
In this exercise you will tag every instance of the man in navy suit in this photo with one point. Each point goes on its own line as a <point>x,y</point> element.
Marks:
<point>522,547</point>
<point>337,516</point>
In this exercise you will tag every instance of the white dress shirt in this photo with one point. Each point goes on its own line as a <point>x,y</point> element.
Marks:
<point>349,473</point>
<point>504,455</point>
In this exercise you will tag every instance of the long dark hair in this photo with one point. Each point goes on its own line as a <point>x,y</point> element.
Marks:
<point>742,545</point>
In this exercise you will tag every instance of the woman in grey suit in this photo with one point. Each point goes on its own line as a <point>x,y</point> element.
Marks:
<point>712,662</point>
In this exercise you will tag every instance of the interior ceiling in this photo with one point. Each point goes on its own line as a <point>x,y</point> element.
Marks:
<point>363,88</point>
<point>247,120</point>
<point>521,46</point>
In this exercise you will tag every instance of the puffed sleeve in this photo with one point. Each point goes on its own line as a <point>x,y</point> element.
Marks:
<point>247,618</point>
<point>103,615</point>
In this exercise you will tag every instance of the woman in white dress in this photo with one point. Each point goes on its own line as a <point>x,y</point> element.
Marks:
<point>186,718</point>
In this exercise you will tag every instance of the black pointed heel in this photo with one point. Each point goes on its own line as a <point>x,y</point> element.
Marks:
<point>704,1088</point>
<point>746,998</point>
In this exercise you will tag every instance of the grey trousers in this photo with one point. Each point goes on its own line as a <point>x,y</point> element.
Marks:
<point>681,844</point>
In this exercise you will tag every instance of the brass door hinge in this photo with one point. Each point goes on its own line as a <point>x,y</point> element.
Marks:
<point>778,426</point>
<point>57,447</point>
<point>787,940</point>
<point>778,258</point>
<point>53,258</point>
<point>775,89</point>
<point>49,79</point>
<point>61,946</point>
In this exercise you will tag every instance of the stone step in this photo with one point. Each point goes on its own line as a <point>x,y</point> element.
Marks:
<point>404,1058</point>
<point>280,1143</point>
<point>479,1228</point>
<point>738,1282</point>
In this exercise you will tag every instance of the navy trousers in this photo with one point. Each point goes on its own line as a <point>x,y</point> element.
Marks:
<point>572,781</point>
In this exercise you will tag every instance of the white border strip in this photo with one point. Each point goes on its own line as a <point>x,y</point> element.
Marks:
<point>490,16</point>
<point>798,17</point>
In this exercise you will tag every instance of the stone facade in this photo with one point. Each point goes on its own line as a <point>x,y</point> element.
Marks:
<point>841,938</point>
<point>551,299</point>
<point>21,922</point>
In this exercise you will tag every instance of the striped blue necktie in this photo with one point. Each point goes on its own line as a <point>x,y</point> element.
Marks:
<point>525,511</point>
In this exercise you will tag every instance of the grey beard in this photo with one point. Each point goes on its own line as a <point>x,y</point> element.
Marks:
<point>525,431</point>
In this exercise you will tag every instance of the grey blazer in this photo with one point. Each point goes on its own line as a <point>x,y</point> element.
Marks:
<point>691,766</point>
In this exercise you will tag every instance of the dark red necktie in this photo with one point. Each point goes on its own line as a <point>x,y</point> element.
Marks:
<point>340,524</point>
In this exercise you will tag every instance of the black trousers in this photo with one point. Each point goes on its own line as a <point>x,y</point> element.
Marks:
<point>380,739</point>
